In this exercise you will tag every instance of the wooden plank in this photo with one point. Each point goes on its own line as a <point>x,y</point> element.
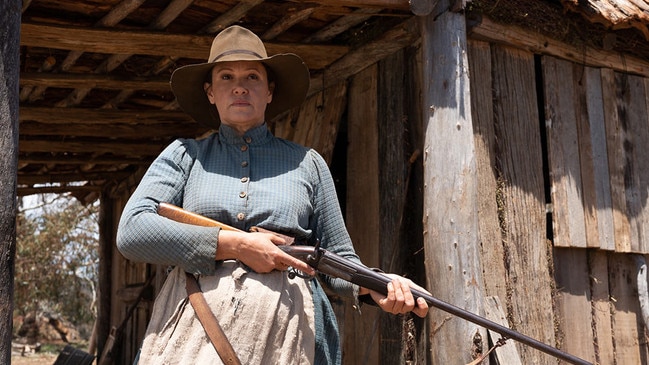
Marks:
<point>230,17</point>
<point>287,21</point>
<point>599,159</point>
<point>340,25</point>
<point>495,312</point>
<point>488,30</point>
<point>157,43</point>
<point>572,302</point>
<point>45,178</point>
<point>126,131</point>
<point>73,80</point>
<point>586,149</point>
<point>601,301</point>
<point>103,117</point>
<point>319,119</point>
<point>615,139</point>
<point>626,319</point>
<point>450,189</point>
<point>387,4</point>
<point>563,154</point>
<point>392,194</point>
<point>489,193</point>
<point>400,36</point>
<point>124,148</point>
<point>362,213</point>
<point>637,179</point>
<point>520,161</point>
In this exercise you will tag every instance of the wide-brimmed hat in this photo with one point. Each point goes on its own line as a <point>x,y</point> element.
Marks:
<point>235,43</point>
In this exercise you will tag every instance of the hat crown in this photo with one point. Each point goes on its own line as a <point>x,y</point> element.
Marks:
<point>236,43</point>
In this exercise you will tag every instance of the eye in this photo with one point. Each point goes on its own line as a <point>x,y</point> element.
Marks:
<point>253,76</point>
<point>225,76</point>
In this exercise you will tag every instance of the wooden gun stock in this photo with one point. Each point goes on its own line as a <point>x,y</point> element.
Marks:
<point>180,215</point>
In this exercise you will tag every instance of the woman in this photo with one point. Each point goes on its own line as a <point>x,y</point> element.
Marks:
<point>243,176</point>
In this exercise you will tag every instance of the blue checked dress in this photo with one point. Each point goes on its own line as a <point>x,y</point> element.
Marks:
<point>242,181</point>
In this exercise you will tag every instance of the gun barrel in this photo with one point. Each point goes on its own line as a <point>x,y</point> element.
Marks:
<point>338,266</point>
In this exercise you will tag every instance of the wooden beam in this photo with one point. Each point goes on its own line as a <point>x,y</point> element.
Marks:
<point>157,43</point>
<point>127,131</point>
<point>230,17</point>
<point>73,81</point>
<point>403,35</point>
<point>48,158</point>
<point>23,191</point>
<point>102,116</point>
<point>490,31</point>
<point>34,179</point>
<point>78,145</point>
<point>385,4</point>
<point>340,25</point>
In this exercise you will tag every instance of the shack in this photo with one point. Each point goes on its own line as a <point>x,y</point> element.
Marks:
<point>491,150</point>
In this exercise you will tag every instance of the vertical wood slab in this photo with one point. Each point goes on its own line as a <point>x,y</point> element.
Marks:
<point>634,101</point>
<point>573,306</point>
<point>599,160</point>
<point>392,192</point>
<point>316,122</point>
<point>585,145</point>
<point>495,312</point>
<point>450,191</point>
<point>529,297</point>
<point>616,136</point>
<point>599,288</point>
<point>361,336</point>
<point>492,253</point>
<point>628,326</point>
<point>563,154</point>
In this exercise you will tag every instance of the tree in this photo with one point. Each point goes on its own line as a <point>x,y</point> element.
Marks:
<point>57,259</point>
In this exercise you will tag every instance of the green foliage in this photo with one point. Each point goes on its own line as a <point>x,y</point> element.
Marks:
<point>57,259</point>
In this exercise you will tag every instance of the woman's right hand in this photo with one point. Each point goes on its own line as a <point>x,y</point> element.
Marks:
<point>258,251</point>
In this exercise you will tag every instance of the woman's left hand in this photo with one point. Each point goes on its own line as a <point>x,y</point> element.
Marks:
<point>399,299</point>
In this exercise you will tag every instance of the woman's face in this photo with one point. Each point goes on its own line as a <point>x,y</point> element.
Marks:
<point>240,91</point>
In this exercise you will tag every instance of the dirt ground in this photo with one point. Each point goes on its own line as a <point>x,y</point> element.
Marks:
<point>35,359</point>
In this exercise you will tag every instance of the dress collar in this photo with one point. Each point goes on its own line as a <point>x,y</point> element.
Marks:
<point>254,136</point>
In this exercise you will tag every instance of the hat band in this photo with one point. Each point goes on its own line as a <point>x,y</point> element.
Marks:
<point>235,51</point>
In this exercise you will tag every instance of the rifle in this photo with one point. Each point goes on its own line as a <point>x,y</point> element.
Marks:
<point>329,263</point>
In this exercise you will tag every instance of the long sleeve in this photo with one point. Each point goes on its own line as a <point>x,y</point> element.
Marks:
<point>145,236</point>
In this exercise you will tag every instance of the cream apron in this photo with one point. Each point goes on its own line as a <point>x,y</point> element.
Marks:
<point>268,319</point>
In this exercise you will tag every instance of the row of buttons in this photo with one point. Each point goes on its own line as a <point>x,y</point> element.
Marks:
<point>245,179</point>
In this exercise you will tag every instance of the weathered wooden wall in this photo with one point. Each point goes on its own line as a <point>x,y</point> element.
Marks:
<point>562,181</point>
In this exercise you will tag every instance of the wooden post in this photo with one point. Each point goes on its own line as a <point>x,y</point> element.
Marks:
<point>450,188</point>
<point>9,71</point>
<point>106,239</point>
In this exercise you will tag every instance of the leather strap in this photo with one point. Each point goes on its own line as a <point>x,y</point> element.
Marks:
<point>209,322</point>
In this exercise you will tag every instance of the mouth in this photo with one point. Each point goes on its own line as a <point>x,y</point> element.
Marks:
<point>240,103</point>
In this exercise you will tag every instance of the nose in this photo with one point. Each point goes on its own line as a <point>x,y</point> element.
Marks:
<point>239,89</point>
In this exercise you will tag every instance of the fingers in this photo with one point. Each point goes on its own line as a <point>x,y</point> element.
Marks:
<point>399,298</point>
